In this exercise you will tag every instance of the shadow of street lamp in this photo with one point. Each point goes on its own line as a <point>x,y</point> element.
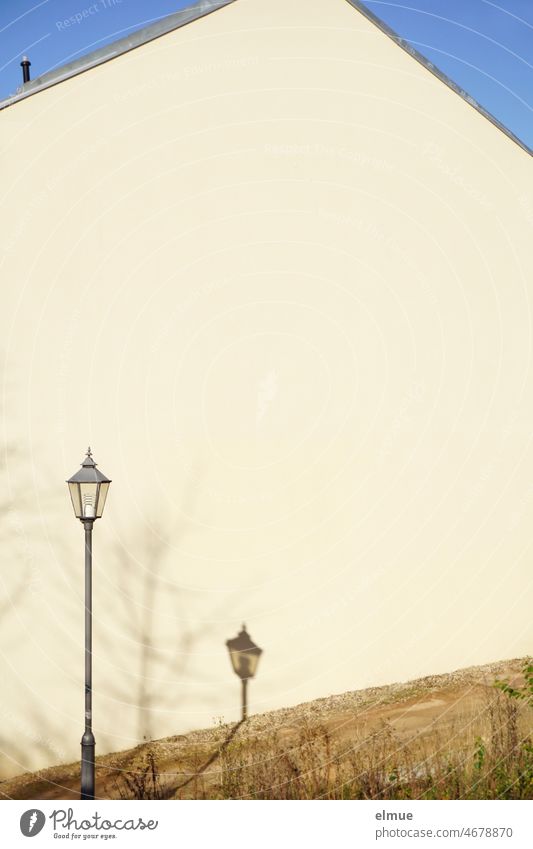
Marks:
<point>244,656</point>
<point>88,491</point>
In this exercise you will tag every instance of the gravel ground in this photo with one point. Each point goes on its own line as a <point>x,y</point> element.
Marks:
<point>62,781</point>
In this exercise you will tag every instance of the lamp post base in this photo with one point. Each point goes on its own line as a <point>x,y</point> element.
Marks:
<point>87,765</point>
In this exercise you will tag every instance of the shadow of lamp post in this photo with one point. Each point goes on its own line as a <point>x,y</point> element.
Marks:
<point>88,490</point>
<point>244,656</point>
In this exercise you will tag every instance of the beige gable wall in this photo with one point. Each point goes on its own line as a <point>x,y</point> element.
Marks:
<point>278,275</point>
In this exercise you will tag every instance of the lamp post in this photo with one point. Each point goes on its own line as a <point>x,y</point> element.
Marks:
<point>88,491</point>
<point>244,656</point>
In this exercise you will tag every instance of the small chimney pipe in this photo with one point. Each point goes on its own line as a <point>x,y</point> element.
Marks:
<point>25,65</point>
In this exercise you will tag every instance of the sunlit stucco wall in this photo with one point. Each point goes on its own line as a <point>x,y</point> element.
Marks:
<point>278,276</point>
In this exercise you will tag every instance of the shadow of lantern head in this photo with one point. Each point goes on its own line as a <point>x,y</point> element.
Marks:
<point>244,654</point>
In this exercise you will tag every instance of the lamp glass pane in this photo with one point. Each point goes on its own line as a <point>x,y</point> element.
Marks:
<point>88,493</point>
<point>102,495</point>
<point>75,496</point>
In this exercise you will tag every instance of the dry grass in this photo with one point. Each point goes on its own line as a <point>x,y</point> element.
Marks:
<point>454,736</point>
<point>489,758</point>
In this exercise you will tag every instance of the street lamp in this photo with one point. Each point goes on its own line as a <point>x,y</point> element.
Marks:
<point>88,490</point>
<point>244,656</point>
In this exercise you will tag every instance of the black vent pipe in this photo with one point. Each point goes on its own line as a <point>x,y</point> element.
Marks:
<point>25,65</point>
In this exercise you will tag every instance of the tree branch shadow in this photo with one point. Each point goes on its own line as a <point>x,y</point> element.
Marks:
<point>171,792</point>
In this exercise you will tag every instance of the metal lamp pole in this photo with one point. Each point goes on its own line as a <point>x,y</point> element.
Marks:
<point>88,491</point>
<point>88,741</point>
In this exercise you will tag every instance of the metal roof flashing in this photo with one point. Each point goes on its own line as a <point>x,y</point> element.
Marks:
<point>117,48</point>
<point>433,69</point>
<point>204,7</point>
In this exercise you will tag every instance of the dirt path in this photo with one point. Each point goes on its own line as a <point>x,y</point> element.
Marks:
<point>454,703</point>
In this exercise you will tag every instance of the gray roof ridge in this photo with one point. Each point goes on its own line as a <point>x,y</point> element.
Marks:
<point>193,12</point>
<point>423,60</point>
<point>199,9</point>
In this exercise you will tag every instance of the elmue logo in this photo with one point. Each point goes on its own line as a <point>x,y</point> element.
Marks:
<point>32,822</point>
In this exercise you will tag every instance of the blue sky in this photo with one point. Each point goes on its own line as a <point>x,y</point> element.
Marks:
<point>485,46</point>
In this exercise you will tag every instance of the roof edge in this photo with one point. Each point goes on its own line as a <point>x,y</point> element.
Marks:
<point>191,13</point>
<point>200,9</point>
<point>423,60</point>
